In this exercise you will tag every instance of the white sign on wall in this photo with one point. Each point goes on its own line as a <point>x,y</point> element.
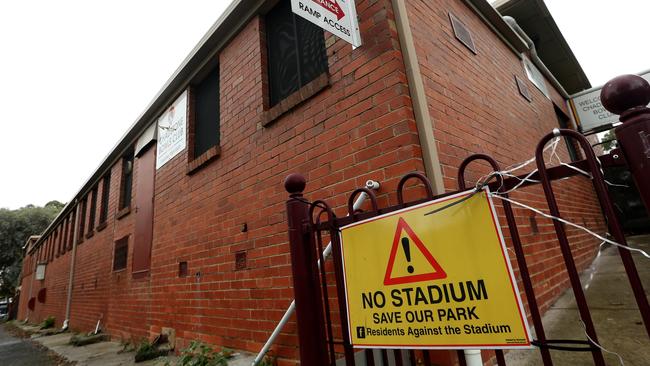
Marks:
<point>589,112</point>
<point>338,17</point>
<point>172,131</point>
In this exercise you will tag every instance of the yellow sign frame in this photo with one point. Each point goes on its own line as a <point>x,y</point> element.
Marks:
<point>403,296</point>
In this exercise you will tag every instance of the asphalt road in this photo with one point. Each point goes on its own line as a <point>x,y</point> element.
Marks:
<point>20,352</point>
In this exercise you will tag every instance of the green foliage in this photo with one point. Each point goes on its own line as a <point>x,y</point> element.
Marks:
<point>48,322</point>
<point>268,360</point>
<point>609,141</point>
<point>148,351</point>
<point>15,227</point>
<point>200,354</point>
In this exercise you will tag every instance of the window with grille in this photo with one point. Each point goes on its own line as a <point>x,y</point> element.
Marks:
<point>121,254</point>
<point>296,52</point>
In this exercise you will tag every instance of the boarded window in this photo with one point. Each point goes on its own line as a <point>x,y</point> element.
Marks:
<point>296,52</point>
<point>121,253</point>
<point>106,188</point>
<point>206,113</point>
<point>127,180</point>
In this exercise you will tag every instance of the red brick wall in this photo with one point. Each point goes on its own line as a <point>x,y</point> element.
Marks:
<point>359,127</point>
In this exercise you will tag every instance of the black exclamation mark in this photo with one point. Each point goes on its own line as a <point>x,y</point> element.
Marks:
<point>407,252</point>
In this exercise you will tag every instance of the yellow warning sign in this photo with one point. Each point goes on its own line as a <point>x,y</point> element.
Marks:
<point>441,281</point>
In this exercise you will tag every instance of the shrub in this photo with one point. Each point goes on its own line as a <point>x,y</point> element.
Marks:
<point>200,354</point>
<point>48,322</point>
<point>148,351</point>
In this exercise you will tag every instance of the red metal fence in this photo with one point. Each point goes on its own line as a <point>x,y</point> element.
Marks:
<point>324,338</point>
<point>322,345</point>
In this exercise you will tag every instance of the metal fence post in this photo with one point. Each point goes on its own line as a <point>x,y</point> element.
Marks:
<point>306,286</point>
<point>628,96</point>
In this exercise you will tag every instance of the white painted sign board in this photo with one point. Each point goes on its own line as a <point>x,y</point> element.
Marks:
<point>172,131</point>
<point>589,112</point>
<point>338,17</point>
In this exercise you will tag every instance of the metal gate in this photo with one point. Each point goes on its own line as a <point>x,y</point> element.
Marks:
<point>320,315</point>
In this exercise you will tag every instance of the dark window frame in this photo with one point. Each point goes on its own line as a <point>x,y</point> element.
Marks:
<point>296,56</point>
<point>103,210</point>
<point>126,184</point>
<point>91,214</point>
<point>200,120</point>
<point>82,219</point>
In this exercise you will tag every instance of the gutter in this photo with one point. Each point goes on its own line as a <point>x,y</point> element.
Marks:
<point>419,99</point>
<point>535,57</point>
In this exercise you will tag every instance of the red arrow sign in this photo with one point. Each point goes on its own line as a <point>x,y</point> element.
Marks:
<point>332,6</point>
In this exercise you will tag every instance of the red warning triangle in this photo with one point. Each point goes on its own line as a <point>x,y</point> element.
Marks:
<point>438,272</point>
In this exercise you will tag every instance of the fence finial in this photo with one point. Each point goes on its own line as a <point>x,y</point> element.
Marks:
<point>295,184</point>
<point>624,93</point>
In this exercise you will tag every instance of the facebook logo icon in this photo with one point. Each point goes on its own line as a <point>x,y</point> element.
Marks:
<point>361,332</point>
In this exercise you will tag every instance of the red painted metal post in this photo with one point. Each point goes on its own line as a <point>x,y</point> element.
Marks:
<point>628,96</point>
<point>560,231</point>
<point>306,286</point>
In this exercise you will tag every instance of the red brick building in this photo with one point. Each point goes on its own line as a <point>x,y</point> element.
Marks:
<point>195,240</point>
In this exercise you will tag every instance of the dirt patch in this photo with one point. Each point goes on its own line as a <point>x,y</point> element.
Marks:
<point>16,331</point>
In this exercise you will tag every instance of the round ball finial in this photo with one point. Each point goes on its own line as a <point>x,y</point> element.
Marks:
<point>625,92</point>
<point>295,183</point>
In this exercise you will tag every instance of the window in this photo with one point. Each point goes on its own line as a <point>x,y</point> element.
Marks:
<point>93,208</point>
<point>121,254</point>
<point>82,220</point>
<point>127,180</point>
<point>205,131</point>
<point>106,187</point>
<point>296,52</point>
<point>66,230</point>
<point>563,121</point>
<point>72,225</point>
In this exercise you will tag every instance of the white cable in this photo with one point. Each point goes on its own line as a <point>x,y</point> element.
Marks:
<point>492,194</point>
<point>620,359</point>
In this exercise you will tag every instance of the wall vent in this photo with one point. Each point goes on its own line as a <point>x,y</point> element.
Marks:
<point>523,89</point>
<point>182,269</point>
<point>240,261</point>
<point>462,33</point>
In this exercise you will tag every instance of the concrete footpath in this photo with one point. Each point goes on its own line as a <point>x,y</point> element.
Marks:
<point>107,353</point>
<point>613,309</point>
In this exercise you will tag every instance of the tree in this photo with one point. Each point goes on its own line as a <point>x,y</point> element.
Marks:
<point>608,141</point>
<point>15,227</point>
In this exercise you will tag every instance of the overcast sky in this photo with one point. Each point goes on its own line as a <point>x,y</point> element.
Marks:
<point>74,75</point>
